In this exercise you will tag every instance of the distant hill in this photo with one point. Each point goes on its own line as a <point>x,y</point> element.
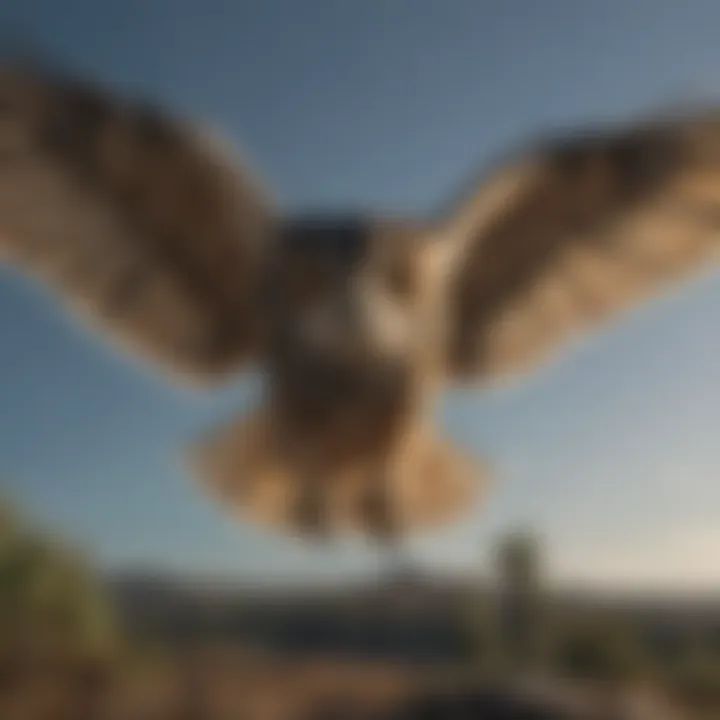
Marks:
<point>396,617</point>
<point>409,615</point>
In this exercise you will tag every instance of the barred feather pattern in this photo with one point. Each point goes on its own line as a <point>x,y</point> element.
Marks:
<point>143,222</point>
<point>591,225</point>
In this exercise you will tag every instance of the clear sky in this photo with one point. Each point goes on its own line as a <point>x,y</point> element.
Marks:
<point>611,453</point>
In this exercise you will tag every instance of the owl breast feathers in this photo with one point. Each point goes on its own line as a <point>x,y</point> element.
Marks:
<point>152,229</point>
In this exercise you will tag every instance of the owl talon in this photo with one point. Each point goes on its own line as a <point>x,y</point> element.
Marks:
<point>309,512</point>
<point>377,511</point>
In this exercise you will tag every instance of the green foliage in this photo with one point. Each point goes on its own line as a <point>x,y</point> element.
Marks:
<point>482,640</point>
<point>602,650</point>
<point>48,597</point>
<point>696,675</point>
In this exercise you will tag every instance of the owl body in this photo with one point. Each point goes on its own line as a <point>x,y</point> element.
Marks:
<point>351,354</point>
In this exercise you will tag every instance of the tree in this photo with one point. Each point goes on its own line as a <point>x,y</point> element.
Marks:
<point>482,642</point>
<point>48,595</point>
<point>604,649</point>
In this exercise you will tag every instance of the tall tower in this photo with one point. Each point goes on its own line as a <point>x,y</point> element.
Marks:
<point>520,597</point>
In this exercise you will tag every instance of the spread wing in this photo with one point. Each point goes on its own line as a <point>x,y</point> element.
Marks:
<point>139,220</point>
<point>572,232</point>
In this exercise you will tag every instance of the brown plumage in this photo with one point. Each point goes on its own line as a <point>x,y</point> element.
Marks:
<point>164,238</point>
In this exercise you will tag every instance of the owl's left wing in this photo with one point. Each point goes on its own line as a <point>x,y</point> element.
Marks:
<point>135,217</point>
<point>575,231</point>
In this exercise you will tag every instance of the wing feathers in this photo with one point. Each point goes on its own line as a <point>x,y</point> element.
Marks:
<point>601,222</point>
<point>133,216</point>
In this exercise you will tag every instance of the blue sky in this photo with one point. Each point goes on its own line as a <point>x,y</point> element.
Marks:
<point>610,453</point>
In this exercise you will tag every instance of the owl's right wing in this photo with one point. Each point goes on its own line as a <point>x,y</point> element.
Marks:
<point>141,221</point>
<point>575,230</point>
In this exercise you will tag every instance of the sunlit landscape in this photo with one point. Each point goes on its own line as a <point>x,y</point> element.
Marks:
<point>71,641</point>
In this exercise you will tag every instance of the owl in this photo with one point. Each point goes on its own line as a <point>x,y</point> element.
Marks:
<point>154,229</point>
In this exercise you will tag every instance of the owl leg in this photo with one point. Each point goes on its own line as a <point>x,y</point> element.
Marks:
<point>377,510</point>
<point>310,511</point>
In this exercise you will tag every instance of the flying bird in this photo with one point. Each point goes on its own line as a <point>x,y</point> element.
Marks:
<point>155,229</point>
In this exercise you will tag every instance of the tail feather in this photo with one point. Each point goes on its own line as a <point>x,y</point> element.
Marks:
<point>244,466</point>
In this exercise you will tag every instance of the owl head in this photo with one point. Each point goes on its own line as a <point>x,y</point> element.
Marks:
<point>353,292</point>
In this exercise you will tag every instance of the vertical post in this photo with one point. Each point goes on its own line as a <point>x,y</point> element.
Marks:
<point>520,602</point>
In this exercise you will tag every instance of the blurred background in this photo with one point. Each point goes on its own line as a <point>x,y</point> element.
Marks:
<point>596,554</point>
